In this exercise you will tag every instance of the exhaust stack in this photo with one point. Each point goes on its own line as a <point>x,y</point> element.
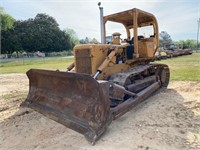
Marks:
<point>101,23</point>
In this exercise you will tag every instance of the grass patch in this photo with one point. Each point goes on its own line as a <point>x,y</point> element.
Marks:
<point>11,96</point>
<point>22,67</point>
<point>184,68</point>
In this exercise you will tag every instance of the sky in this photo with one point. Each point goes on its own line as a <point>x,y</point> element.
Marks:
<point>177,17</point>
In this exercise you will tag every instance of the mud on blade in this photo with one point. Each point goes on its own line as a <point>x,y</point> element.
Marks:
<point>75,100</point>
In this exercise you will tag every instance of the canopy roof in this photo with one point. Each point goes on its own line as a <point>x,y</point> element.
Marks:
<point>126,18</point>
<point>132,19</point>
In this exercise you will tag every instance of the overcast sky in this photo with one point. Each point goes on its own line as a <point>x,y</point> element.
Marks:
<point>177,17</point>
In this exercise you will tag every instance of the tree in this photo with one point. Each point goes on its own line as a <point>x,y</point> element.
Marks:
<point>94,41</point>
<point>39,34</point>
<point>42,34</point>
<point>82,41</point>
<point>164,38</point>
<point>73,36</point>
<point>186,43</point>
<point>190,43</point>
<point>88,41</point>
<point>7,39</point>
<point>6,21</point>
<point>10,42</point>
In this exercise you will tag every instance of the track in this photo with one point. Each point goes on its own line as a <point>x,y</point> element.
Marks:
<point>139,78</point>
<point>141,71</point>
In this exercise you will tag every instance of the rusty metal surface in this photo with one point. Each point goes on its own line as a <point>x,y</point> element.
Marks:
<point>154,77</point>
<point>125,78</point>
<point>164,74</point>
<point>83,104</point>
<point>74,100</point>
<point>122,78</point>
<point>142,83</point>
<point>134,101</point>
<point>116,92</point>
<point>83,59</point>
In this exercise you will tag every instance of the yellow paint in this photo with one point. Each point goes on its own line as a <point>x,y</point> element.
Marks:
<point>110,58</point>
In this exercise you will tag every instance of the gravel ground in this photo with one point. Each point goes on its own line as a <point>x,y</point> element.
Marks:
<point>168,120</point>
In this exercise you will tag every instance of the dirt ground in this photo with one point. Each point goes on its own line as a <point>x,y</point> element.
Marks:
<point>169,120</point>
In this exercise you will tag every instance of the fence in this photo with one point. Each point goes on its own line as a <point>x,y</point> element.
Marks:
<point>36,54</point>
<point>22,58</point>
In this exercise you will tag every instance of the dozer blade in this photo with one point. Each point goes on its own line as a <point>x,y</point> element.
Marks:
<point>75,100</point>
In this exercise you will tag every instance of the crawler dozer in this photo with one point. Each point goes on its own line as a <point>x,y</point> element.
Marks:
<point>105,80</point>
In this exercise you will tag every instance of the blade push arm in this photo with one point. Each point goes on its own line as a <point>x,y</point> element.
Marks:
<point>70,67</point>
<point>105,63</point>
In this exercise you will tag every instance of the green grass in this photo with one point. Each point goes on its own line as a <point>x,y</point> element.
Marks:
<point>21,95</point>
<point>184,68</point>
<point>20,67</point>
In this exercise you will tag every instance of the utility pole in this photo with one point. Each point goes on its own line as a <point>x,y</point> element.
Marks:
<point>198,21</point>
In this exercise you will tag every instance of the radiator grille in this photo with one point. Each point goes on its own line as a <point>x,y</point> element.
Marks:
<point>83,61</point>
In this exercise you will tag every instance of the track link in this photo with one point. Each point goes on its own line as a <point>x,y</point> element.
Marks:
<point>142,74</point>
<point>142,71</point>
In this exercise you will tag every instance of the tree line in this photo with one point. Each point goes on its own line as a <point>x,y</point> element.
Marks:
<point>41,33</point>
<point>165,39</point>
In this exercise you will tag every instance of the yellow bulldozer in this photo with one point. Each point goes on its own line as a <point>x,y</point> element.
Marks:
<point>105,80</point>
